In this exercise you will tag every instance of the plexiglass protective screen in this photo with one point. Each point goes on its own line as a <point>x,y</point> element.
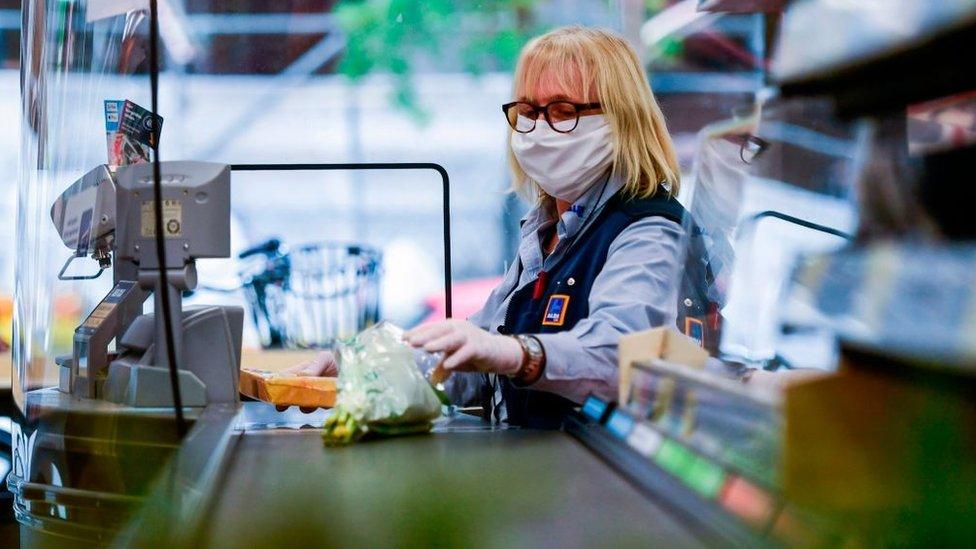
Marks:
<point>767,190</point>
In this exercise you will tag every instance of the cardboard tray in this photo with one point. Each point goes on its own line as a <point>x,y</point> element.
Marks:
<point>263,377</point>
<point>288,390</point>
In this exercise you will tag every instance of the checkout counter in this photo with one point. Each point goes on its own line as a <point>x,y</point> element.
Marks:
<point>687,455</point>
<point>464,484</point>
<point>249,475</point>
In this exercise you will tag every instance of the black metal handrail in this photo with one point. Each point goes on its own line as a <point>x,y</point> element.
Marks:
<point>801,222</point>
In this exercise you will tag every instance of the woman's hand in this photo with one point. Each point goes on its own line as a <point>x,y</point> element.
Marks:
<point>324,364</point>
<point>468,348</point>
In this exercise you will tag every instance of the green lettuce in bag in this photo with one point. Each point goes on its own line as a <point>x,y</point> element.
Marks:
<point>381,387</point>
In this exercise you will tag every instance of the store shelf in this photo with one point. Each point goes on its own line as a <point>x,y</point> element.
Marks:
<point>891,80</point>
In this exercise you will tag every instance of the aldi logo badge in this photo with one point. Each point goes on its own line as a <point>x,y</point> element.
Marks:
<point>556,310</point>
<point>695,330</point>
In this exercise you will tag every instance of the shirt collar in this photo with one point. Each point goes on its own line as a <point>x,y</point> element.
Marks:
<point>571,221</point>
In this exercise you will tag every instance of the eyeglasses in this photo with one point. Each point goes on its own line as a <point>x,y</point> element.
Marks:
<point>562,116</point>
<point>752,147</point>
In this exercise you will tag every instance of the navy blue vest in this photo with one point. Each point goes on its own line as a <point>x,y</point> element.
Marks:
<point>564,300</point>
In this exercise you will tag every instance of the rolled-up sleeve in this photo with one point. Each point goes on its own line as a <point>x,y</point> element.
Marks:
<point>635,290</point>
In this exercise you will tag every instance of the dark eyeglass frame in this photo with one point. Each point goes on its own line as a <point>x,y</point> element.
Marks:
<point>544,111</point>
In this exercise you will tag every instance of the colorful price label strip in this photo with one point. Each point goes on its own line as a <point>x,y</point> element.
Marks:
<point>753,505</point>
<point>594,408</point>
<point>620,424</point>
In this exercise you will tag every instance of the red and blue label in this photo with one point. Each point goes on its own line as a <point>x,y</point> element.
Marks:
<point>555,314</point>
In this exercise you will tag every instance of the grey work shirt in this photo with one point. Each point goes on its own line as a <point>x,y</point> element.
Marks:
<point>635,290</point>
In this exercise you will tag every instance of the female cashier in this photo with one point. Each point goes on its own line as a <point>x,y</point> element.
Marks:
<point>599,250</point>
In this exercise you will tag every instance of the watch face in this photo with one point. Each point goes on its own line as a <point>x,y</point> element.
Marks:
<point>533,346</point>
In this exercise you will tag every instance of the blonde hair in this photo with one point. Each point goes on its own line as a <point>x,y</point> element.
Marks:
<point>586,59</point>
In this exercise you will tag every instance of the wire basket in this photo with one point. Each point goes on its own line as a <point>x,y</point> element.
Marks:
<point>314,294</point>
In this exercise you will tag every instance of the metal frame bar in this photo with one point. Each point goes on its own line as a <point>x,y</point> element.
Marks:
<point>801,222</point>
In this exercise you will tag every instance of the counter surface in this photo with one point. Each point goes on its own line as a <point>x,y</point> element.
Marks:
<point>458,487</point>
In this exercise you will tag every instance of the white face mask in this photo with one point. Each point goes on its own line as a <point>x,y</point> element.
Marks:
<point>565,165</point>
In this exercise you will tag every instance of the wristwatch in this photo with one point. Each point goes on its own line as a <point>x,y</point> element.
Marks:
<point>533,359</point>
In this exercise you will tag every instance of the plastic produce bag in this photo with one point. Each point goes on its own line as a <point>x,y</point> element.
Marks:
<point>382,389</point>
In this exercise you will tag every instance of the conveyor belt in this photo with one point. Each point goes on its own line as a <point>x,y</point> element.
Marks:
<point>484,488</point>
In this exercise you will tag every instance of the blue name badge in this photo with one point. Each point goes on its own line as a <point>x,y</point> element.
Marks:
<point>556,310</point>
<point>594,408</point>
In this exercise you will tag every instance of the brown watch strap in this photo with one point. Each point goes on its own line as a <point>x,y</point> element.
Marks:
<point>532,363</point>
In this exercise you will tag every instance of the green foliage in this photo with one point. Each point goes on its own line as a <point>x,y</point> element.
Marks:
<point>392,36</point>
<point>666,53</point>
<point>477,36</point>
